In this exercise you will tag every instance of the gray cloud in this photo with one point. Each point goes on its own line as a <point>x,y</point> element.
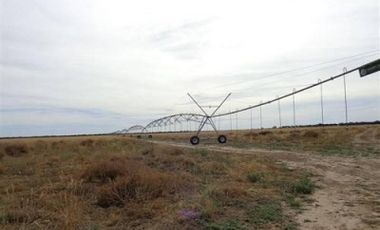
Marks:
<point>179,40</point>
<point>182,30</point>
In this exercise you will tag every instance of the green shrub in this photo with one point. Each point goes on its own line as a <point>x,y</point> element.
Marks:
<point>293,202</point>
<point>266,212</point>
<point>255,177</point>
<point>303,186</point>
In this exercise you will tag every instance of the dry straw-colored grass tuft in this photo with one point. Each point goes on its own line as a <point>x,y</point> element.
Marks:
<point>125,180</point>
<point>141,186</point>
<point>310,134</point>
<point>105,170</point>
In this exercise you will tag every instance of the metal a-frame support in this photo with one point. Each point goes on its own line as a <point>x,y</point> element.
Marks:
<point>208,118</point>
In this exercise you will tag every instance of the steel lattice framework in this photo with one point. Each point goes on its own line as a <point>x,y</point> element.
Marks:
<point>130,129</point>
<point>173,119</point>
<point>164,121</point>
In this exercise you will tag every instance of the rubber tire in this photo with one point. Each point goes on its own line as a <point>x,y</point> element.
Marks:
<point>222,139</point>
<point>194,140</point>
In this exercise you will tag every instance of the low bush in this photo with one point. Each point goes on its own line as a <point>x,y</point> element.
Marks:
<point>255,177</point>
<point>16,150</point>
<point>293,202</point>
<point>87,143</point>
<point>105,170</point>
<point>266,212</point>
<point>141,186</point>
<point>303,186</point>
<point>311,134</point>
<point>264,133</point>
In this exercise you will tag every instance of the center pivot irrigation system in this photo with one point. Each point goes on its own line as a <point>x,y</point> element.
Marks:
<point>205,118</point>
<point>208,118</point>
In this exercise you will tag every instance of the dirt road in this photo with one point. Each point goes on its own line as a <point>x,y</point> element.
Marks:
<point>349,188</point>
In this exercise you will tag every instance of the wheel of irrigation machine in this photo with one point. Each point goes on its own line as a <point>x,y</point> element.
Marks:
<point>222,139</point>
<point>194,140</point>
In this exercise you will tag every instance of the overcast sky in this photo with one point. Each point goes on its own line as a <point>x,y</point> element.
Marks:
<point>98,66</point>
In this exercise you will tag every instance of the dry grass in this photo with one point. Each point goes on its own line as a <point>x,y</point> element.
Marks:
<point>142,186</point>
<point>335,140</point>
<point>310,134</point>
<point>87,143</point>
<point>125,183</point>
<point>346,141</point>
<point>16,150</point>
<point>105,170</point>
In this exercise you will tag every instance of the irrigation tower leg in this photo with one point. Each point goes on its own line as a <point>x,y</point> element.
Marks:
<point>208,118</point>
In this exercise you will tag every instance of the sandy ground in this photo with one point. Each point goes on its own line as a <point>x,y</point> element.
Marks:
<point>348,196</point>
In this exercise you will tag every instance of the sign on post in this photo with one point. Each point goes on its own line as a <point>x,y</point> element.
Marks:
<point>369,68</point>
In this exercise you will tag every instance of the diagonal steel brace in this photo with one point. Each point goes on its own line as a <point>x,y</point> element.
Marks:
<point>208,118</point>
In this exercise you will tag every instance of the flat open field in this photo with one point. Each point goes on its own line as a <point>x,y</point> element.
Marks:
<point>335,140</point>
<point>309,178</point>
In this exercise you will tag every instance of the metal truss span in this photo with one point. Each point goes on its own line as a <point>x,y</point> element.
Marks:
<point>164,121</point>
<point>173,119</point>
<point>130,129</point>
